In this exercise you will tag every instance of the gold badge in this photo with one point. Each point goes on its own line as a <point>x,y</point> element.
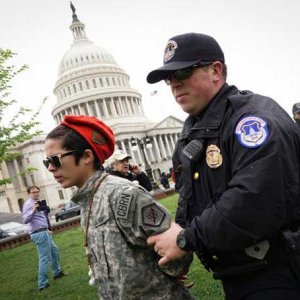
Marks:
<point>214,157</point>
<point>196,175</point>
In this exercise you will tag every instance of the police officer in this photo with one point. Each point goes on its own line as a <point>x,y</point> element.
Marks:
<point>296,113</point>
<point>236,164</point>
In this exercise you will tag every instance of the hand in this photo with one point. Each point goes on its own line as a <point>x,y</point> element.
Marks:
<point>165,244</point>
<point>35,206</point>
<point>135,169</point>
<point>183,281</point>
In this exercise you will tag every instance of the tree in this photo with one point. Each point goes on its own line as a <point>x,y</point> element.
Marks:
<point>16,130</point>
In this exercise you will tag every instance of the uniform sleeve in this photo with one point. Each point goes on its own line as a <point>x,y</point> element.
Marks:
<point>139,216</point>
<point>260,194</point>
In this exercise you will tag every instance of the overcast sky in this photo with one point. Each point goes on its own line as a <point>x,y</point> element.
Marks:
<point>260,40</point>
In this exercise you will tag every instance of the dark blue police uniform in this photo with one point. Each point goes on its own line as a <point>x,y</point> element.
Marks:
<point>237,173</point>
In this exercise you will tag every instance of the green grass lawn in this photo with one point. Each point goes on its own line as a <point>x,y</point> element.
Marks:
<point>18,271</point>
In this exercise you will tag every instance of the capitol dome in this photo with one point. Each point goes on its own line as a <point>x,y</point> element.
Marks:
<point>90,82</point>
<point>84,53</point>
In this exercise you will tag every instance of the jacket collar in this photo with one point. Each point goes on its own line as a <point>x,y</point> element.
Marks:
<point>212,116</point>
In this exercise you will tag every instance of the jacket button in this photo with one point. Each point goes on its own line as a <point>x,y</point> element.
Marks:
<point>196,175</point>
<point>215,258</point>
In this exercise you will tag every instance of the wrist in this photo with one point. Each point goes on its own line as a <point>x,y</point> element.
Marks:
<point>182,241</point>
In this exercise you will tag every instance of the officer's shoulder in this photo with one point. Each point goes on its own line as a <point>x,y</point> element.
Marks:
<point>246,100</point>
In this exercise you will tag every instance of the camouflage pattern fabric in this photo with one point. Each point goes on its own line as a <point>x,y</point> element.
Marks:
<point>123,216</point>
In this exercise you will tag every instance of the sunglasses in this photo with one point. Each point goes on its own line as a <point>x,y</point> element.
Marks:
<point>186,73</point>
<point>55,160</point>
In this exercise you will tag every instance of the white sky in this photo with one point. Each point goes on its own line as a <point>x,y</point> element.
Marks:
<point>260,40</point>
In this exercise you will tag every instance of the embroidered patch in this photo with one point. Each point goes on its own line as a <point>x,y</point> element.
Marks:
<point>214,157</point>
<point>152,215</point>
<point>123,206</point>
<point>98,138</point>
<point>170,50</point>
<point>252,131</point>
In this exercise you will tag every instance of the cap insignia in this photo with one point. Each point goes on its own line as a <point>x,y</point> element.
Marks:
<point>214,157</point>
<point>170,50</point>
<point>98,138</point>
<point>252,132</point>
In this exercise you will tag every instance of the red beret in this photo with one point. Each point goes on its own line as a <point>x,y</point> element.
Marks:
<point>99,136</point>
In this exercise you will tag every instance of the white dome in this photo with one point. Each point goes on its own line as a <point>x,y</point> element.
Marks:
<point>83,53</point>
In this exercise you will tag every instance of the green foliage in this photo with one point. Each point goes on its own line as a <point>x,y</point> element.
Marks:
<point>16,130</point>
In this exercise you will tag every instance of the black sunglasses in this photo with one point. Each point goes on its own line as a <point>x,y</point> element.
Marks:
<point>186,73</point>
<point>55,160</point>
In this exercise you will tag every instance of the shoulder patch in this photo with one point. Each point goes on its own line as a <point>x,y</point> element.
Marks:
<point>252,131</point>
<point>152,215</point>
<point>123,205</point>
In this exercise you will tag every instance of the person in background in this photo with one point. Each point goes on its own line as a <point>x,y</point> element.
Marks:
<point>164,180</point>
<point>120,166</point>
<point>296,113</point>
<point>35,215</point>
<point>236,164</point>
<point>117,215</point>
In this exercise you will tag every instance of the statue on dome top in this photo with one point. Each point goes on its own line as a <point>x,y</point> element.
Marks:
<point>72,7</point>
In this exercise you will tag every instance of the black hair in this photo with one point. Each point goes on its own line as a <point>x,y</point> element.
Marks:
<point>71,140</point>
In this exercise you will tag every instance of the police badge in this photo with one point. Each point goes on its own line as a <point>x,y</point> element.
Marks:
<point>214,157</point>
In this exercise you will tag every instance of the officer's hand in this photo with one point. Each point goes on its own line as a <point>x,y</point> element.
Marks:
<point>165,244</point>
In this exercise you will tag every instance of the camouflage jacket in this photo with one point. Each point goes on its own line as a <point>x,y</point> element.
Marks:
<point>122,216</point>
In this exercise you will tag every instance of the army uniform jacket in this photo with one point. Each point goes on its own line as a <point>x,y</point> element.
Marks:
<point>122,216</point>
<point>240,184</point>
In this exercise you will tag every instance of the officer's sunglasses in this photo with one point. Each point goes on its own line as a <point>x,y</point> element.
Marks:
<point>186,73</point>
<point>55,160</point>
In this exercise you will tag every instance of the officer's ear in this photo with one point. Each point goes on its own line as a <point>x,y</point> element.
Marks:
<point>217,70</point>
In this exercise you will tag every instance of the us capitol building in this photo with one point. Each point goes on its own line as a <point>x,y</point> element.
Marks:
<point>90,82</point>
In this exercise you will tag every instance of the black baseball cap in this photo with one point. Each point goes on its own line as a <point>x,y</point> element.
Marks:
<point>296,108</point>
<point>185,50</point>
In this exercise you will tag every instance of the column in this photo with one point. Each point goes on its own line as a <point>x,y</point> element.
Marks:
<point>162,147</point>
<point>158,158</point>
<point>20,181</point>
<point>168,145</point>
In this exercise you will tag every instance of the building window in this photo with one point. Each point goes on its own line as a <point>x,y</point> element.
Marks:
<point>74,88</point>
<point>101,81</point>
<point>87,84</point>
<point>76,110</point>
<point>107,81</point>
<point>80,86</point>
<point>69,90</point>
<point>100,105</point>
<point>94,83</point>
<point>92,106</point>
<point>108,105</point>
